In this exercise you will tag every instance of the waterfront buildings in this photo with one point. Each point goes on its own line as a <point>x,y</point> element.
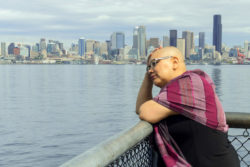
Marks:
<point>82,47</point>
<point>173,38</point>
<point>217,33</point>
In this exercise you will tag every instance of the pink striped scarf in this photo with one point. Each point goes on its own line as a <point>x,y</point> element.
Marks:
<point>192,94</point>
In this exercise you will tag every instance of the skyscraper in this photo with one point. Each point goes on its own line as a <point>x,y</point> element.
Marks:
<point>135,38</point>
<point>3,49</point>
<point>43,45</point>
<point>201,40</point>
<point>217,33</point>
<point>82,46</point>
<point>181,46</point>
<point>187,35</point>
<point>173,38</point>
<point>142,42</point>
<point>117,40</point>
<point>11,49</point>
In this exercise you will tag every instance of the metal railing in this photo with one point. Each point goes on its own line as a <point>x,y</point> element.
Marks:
<point>132,148</point>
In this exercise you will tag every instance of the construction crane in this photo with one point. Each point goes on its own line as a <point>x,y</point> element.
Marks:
<point>240,57</point>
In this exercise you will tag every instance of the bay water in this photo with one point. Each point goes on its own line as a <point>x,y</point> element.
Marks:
<point>51,113</point>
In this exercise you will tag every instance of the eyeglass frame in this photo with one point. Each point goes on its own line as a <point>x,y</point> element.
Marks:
<point>156,61</point>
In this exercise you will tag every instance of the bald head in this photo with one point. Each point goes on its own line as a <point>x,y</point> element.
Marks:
<point>167,68</point>
<point>167,51</point>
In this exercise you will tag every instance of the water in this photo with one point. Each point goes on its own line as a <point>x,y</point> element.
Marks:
<point>51,113</point>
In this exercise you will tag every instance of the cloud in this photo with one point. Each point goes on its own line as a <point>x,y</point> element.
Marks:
<point>99,18</point>
<point>10,15</point>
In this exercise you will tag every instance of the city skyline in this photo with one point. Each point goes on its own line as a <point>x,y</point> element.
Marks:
<point>28,21</point>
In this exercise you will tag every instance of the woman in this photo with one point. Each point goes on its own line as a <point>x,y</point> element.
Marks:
<point>186,114</point>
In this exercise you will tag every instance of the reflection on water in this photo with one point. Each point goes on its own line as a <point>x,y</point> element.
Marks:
<point>216,76</point>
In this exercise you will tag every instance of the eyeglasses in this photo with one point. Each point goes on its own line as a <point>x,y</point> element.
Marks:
<point>154,62</point>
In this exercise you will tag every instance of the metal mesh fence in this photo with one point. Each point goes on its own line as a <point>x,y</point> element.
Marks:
<point>138,156</point>
<point>141,154</point>
<point>240,139</point>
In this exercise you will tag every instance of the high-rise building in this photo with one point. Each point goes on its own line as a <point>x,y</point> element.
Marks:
<point>173,38</point>
<point>51,47</point>
<point>104,49</point>
<point>181,46</point>
<point>90,46</point>
<point>11,49</point>
<point>82,47</point>
<point>24,51</point>
<point>201,40</point>
<point>43,45</point>
<point>3,49</point>
<point>154,42</point>
<point>135,38</point>
<point>165,41</point>
<point>109,48</point>
<point>187,35</point>
<point>142,42</point>
<point>117,40</point>
<point>217,33</point>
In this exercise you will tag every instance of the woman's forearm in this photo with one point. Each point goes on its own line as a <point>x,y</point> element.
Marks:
<point>145,92</point>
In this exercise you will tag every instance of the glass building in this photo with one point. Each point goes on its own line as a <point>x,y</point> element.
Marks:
<point>217,33</point>
<point>81,46</point>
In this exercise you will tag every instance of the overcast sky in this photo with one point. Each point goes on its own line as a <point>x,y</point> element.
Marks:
<point>67,20</point>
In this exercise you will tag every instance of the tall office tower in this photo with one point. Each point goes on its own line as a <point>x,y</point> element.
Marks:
<point>82,47</point>
<point>142,42</point>
<point>11,49</point>
<point>29,49</point>
<point>51,47</point>
<point>90,46</point>
<point>155,42</point>
<point>104,48</point>
<point>187,35</point>
<point>97,48</point>
<point>173,38</point>
<point>192,41</point>
<point>108,48</point>
<point>246,46</point>
<point>43,45</point>
<point>3,49</point>
<point>60,44</point>
<point>117,40</point>
<point>217,33</point>
<point>165,41</point>
<point>181,46</point>
<point>201,40</point>
<point>135,38</point>
<point>24,51</point>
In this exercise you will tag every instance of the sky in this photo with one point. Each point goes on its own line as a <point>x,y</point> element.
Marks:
<point>27,21</point>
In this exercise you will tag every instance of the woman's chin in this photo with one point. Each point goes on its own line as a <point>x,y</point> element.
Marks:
<point>156,83</point>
